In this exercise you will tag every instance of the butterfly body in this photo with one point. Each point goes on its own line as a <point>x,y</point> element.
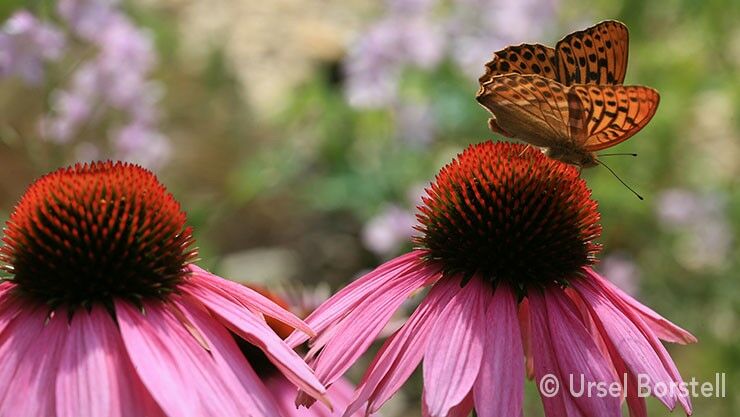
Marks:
<point>569,101</point>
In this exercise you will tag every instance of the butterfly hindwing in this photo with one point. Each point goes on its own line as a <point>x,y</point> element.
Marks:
<point>614,113</point>
<point>529,107</point>
<point>596,55</point>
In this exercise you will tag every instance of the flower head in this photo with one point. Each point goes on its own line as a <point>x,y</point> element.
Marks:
<point>506,244</point>
<point>94,233</point>
<point>533,214</point>
<point>105,315</point>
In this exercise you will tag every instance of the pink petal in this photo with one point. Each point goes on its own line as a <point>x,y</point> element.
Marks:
<point>461,410</point>
<point>402,352</point>
<point>95,376</point>
<point>344,301</point>
<point>349,339</point>
<point>544,357</point>
<point>258,333</point>
<point>201,280</point>
<point>180,374</point>
<point>525,327</point>
<point>601,286</point>
<point>244,385</point>
<point>628,341</point>
<point>10,306</point>
<point>283,392</point>
<point>499,389</point>
<point>574,354</point>
<point>662,328</point>
<point>454,353</point>
<point>635,402</point>
<point>30,350</point>
<point>5,286</point>
<point>594,329</point>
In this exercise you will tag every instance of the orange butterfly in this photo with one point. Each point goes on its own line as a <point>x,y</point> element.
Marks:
<point>567,100</point>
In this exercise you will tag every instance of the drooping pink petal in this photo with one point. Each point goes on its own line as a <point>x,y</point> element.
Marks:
<point>402,352</point>
<point>546,369</point>
<point>525,326</point>
<point>662,327</point>
<point>355,332</point>
<point>499,389</point>
<point>283,392</point>
<point>635,402</point>
<point>244,386</point>
<point>30,350</point>
<point>10,306</point>
<point>5,286</point>
<point>455,349</point>
<point>167,356</point>
<point>629,342</point>
<point>95,377</point>
<point>201,280</point>
<point>461,410</point>
<point>600,286</point>
<point>593,328</point>
<point>577,360</point>
<point>258,333</point>
<point>344,301</point>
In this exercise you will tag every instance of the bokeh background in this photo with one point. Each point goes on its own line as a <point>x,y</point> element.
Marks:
<point>299,135</point>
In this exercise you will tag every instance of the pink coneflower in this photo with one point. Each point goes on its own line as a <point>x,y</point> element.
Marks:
<point>506,244</point>
<point>104,315</point>
<point>282,392</point>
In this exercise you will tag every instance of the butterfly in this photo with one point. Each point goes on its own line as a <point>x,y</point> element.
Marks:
<point>588,111</point>
<point>570,122</point>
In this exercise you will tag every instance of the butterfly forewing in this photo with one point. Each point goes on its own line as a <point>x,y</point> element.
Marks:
<point>529,107</point>
<point>615,113</point>
<point>521,59</point>
<point>596,55</point>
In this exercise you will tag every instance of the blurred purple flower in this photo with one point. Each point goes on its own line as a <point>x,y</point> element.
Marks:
<point>414,34</point>
<point>88,18</point>
<point>701,219</point>
<point>477,28</point>
<point>141,144</point>
<point>415,123</point>
<point>375,63</point>
<point>622,271</point>
<point>386,232</point>
<point>25,44</point>
<point>116,78</point>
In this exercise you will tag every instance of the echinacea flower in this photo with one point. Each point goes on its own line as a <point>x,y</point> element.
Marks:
<point>506,245</point>
<point>281,391</point>
<point>104,314</point>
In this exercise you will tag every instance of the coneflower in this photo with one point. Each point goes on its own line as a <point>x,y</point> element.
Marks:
<point>507,238</point>
<point>105,315</point>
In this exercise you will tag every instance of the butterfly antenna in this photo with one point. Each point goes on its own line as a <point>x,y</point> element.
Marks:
<point>620,180</point>
<point>617,154</point>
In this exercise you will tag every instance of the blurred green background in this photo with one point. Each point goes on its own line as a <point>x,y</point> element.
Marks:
<point>299,136</point>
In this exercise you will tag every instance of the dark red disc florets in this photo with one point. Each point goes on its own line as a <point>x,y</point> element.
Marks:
<point>506,212</point>
<point>94,232</point>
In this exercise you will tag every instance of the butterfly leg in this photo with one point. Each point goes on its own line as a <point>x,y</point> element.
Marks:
<point>525,149</point>
<point>495,128</point>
